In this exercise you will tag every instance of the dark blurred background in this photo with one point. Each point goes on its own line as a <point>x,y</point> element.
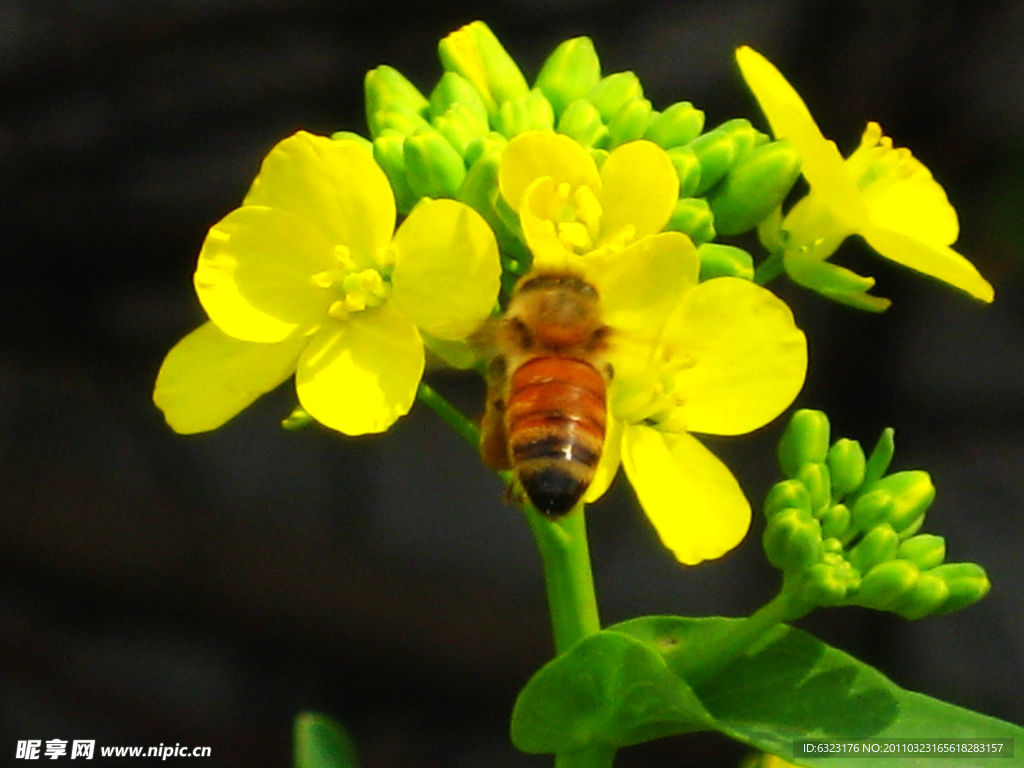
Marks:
<point>202,590</point>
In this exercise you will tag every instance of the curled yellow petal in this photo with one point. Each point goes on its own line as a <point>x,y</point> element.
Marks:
<point>737,358</point>
<point>688,494</point>
<point>447,270</point>
<point>789,118</point>
<point>360,376</point>
<point>208,377</point>
<point>937,261</point>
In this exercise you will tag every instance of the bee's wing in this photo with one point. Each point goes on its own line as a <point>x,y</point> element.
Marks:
<point>493,440</point>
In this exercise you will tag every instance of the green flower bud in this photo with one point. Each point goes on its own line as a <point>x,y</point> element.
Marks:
<point>804,441</point>
<point>351,136</point>
<point>582,122</point>
<point>912,493</point>
<point>687,169</point>
<point>837,283</point>
<point>815,477</point>
<point>297,419</point>
<point>569,73</point>
<point>630,122</point>
<point>925,551</point>
<point>454,89</point>
<point>680,124</point>
<point>792,540</point>
<point>432,166</point>
<point>825,584</point>
<point>460,127</point>
<point>928,595</point>
<point>887,584</point>
<point>482,145</point>
<point>719,148</point>
<point>612,92</point>
<point>753,187</point>
<point>878,546</point>
<point>529,112</point>
<point>387,91</point>
<point>769,231</point>
<point>787,494</point>
<point>717,260</point>
<point>480,186</point>
<point>397,122</point>
<point>881,456</point>
<point>846,464</point>
<point>870,509</point>
<point>693,217</point>
<point>389,153</point>
<point>835,520</point>
<point>967,583</point>
<point>475,53</point>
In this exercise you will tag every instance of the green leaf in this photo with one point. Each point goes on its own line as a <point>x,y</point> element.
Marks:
<point>320,742</point>
<point>789,685</point>
<point>608,690</point>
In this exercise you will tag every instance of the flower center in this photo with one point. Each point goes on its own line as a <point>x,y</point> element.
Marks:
<point>877,165</point>
<point>356,289</point>
<point>659,401</point>
<point>576,214</point>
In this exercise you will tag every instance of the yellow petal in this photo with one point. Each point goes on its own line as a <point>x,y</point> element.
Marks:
<point>822,163</point>
<point>639,189</point>
<point>640,286</point>
<point>935,260</point>
<point>447,269</point>
<point>535,154</point>
<point>209,377</point>
<point>608,466</point>
<point>743,358</point>
<point>917,207</point>
<point>336,186</point>
<point>690,497</point>
<point>254,274</point>
<point>360,376</point>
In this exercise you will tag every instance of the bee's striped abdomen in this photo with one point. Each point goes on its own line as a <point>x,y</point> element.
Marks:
<point>555,421</point>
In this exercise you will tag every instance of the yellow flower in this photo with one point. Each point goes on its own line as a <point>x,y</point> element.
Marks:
<point>881,193</point>
<point>727,358</point>
<point>569,209</point>
<point>309,276</point>
<point>721,357</point>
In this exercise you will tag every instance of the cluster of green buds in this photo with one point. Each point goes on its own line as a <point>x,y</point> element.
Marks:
<point>843,532</point>
<point>449,143</point>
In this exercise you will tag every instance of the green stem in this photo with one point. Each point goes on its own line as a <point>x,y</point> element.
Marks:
<point>769,269</point>
<point>745,636</point>
<point>567,574</point>
<point>570,583</point>
<point>451,415</point>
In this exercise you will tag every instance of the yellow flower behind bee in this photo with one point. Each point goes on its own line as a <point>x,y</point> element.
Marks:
<point>568,208</point>
<point>309,276</point>
<point>881,193</point>
<point>722,357</point>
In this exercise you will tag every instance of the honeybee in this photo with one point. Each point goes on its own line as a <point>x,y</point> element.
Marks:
<point>546,401</point>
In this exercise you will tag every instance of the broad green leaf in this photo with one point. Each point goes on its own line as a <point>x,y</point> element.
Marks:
<point>320,742</point>
<point>609,690</point>
<point>790,686</point>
